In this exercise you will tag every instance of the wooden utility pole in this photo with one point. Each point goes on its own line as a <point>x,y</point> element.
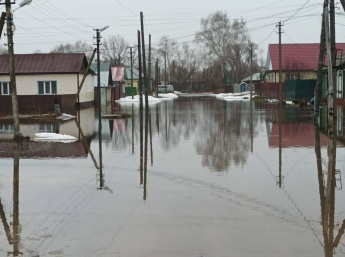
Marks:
<point>157,77</point>
<point>11,63</point>
<point>148,87</point>
<point>98,43</point>
<point>84,77</point>
<point>251,72</point>
<point>330,96</point>
<point>280,62</point>
<point>317,92</point>
<point>131,70</point>
<point>334,54</point>
<point>140,72</point>
<point>165,70</point>
<point>2,22</point>
<point>144,57</point>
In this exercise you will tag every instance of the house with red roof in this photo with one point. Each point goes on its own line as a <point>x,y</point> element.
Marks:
<point>44,79</point>
<point>299,62</point>
<point>117,78</point>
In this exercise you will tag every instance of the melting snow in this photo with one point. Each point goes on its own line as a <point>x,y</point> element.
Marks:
<point>53,137</point>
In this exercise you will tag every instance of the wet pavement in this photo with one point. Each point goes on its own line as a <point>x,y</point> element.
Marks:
<point>209,178</point>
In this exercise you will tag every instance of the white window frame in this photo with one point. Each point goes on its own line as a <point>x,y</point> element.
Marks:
<point>2,83</point>
<point>47,87</point>
<point>6,128</point>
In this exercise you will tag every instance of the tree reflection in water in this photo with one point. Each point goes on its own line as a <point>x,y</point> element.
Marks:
<point>225,136</point>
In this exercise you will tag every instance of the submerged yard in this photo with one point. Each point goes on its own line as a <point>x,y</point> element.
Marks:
<point>209,178</point>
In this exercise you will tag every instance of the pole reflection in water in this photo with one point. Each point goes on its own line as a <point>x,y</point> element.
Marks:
<point>16,225</point>
<point>157,118</point>
<point>145,150</point>
<point>280,113</point>
<point>251,126</point>
<point>132,128</point>
<point>150,128</point>
<point>327,194</point>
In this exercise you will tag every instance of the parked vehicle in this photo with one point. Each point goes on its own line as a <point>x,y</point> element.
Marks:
<point>169,89</point>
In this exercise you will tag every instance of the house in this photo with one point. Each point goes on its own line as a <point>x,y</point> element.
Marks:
<point>255,79</point>
<point>299,62</point>
<point>117,77</point>
<point>105,84</point>
<point>128,78</point>
<point>43,79</point>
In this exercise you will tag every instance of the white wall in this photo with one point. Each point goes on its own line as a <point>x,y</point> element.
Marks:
<point>66,84</point>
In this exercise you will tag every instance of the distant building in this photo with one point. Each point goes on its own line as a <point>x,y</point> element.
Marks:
<point>43,79</point>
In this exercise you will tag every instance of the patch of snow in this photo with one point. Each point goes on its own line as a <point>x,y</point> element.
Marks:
<point>273,100</point>
<point>168,95</point>
<point>53,137</point>
<point>136,99</point>
<point>66,116</point>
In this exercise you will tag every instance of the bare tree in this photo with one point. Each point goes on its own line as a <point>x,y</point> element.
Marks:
<point>77,47</point>
<point>115,51</point>
<point>228,44</point>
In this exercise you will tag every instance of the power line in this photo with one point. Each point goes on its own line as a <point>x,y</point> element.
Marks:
<point>297,11</point>
<point>126,7</point>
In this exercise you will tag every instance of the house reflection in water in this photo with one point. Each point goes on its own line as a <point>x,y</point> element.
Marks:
<point>81,127</point>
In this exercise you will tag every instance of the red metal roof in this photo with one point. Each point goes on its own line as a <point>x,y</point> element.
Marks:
<point>298,56</point>
<point>45,63</point>
<point>118,73</point>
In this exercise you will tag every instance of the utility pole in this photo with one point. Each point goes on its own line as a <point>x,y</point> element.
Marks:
<point>334,54</point>
<point>140,73</point>
<point>251,71</point>
<point>131,70</point>
<point>144,57</point>
<point>317,92</point>
<point>165,70</point>
<point>98,43</point>
<point>280,62</point>
<point>157,77</point>
<point>11,63</point>
<point>148,87</point>
<point>330,96</point>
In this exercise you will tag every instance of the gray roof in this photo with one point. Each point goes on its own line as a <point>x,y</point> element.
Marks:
<point>135,74</point>
<point>104,66</point>
<point>255,77</point>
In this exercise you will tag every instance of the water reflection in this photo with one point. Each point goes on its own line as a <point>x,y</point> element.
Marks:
<point>327,195</point>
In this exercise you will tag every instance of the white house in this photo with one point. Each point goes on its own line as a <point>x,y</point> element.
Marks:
<point>43,79</point>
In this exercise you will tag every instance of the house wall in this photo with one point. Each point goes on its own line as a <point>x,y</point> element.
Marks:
<point>87,92</point>
<point>273,76</point>
<point>67,84</point>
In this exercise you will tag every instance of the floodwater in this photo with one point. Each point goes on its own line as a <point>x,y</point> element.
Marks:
<point>210,178</point>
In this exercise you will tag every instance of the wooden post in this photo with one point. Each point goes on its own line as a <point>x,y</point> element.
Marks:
<point>84,77</point>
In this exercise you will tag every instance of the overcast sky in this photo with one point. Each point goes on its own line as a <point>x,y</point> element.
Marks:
<point>46,23</point>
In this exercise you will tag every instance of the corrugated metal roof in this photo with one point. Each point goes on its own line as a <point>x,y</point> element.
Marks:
<point>45,63</point>
<point>135,74</point>
<point>118,73</point>
<point>297,56</point>
<point>104,66</point>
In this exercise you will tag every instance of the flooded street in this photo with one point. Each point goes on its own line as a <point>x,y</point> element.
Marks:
<point>206,180</point>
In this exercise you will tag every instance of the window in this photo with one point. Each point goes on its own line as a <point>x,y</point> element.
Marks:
<point>6,128</point>
<point>47,127</point>
<point>5,88</point>
<point>47,87</point>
